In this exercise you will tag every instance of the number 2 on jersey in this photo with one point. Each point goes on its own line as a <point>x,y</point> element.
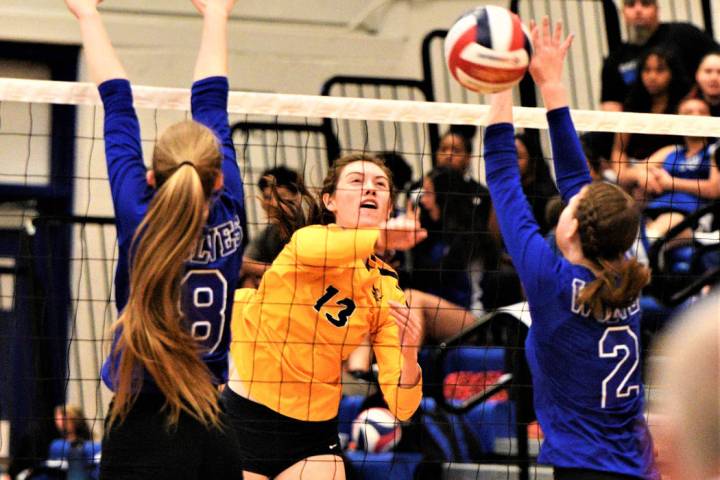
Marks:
<point>343,314</point>
<point>204,301</point>
<point>621,343</point>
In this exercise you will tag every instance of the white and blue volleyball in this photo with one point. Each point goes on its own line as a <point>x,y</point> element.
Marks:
<point>488,49</point>
<point>375,430</point>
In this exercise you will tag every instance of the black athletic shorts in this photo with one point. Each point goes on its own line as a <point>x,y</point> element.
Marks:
<point>586,474</point>
<point>270,442</point>
<point>144,447</point>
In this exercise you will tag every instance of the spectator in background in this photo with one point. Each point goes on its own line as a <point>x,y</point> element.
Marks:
<point>707,80</point>
<point>535,176</point>
<point>279,188</point>
<point>686,176</point>
<point>645,31</point>
<point>71,423</point>
<point>71,449</point>
<point>32,446</point>
<point>455,152</point>
<point>455,149</point>
<point>441,263</point>
<point>663,83</point>
<point>685,417</point>
<point>464,205</point>
<point>400,169</point>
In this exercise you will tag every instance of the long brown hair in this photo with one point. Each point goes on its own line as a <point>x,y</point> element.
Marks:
<point>311,210</point>
<point>154,337</point>
<point>608,222</point>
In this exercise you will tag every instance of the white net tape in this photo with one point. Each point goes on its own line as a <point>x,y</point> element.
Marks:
<point>361,109</point>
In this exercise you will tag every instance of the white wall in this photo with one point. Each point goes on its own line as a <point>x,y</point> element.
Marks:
<point>280,46</point>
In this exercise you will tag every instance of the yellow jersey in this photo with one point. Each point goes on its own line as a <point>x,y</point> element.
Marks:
<point>322,295</point>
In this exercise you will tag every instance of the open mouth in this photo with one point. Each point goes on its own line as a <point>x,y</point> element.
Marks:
<point>369,204</point>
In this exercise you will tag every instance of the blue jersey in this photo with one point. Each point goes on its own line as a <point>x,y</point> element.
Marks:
<point>586,374</point>
<point>211,276</point>
<point>679,165</point>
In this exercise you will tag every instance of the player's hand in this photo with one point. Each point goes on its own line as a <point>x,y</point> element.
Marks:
<point>409,326</point>
<point>401,233</point>
<point>80,8</point>
<point>646,181</point>
<point>225,6</point>
<point>549,51</point>
<point>663,179</point>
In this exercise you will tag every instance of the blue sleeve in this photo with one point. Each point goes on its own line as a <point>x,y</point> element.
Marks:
<point>537,265</point>
<point>123,154</point>
<point>209,106</point>
<point>571,168</point>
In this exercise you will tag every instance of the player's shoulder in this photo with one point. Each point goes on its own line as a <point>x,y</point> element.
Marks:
<point>224,206</point>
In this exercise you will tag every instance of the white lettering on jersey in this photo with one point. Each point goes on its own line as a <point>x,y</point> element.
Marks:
<point>219,241</point>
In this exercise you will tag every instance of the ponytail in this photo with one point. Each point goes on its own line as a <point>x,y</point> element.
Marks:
<point>154,335</point>
<point>614,287</point>
<point>608,222</point>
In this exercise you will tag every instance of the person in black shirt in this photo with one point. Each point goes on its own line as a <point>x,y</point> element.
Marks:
<point>280,188</point>
<point>662,83</point>
<point>644,32</point>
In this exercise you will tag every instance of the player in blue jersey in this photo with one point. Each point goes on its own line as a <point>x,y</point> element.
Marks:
<point>180,249</point>
<point>583,346</point>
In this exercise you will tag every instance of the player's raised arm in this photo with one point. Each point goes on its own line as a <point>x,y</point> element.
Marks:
<point>213,53</point>
<point>546,69</point>
<point>532,257</point>
<point>211,87</point>
<point>103,62</point>
<point>123,151</point>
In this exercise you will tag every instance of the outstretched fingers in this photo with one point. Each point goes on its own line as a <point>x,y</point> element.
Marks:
<point>410,329</point>
<point>557,35</point>
<point>565,46</point>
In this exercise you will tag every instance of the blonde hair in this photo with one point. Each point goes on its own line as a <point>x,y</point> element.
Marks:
<point>154,337</point>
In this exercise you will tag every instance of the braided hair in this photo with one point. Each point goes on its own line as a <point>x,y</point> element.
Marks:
<point>608,222</point>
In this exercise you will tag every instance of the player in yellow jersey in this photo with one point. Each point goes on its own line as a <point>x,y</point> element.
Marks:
<point>326,291</point>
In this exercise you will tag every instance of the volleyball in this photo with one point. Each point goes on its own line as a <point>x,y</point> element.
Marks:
<point>375,430</point>
<point>488,49</point>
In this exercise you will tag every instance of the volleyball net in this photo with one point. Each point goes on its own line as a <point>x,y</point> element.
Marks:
<point>59,250</point>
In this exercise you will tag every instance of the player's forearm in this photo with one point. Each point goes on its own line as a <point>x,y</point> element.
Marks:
<point>333,246</point>
<point>500,108</point>
<point>554,95</point>
<point>703,188</point>
<point>571,168</point>
<point>103,62</point>
<point>410,372</point>
<point>212,55</point>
